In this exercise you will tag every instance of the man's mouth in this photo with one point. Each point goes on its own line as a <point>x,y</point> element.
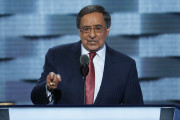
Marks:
<point>92,41</point>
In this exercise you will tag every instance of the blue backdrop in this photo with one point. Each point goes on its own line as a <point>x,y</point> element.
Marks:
<point>147,30</point>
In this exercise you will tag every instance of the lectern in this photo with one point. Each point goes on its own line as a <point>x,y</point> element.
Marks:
<point>89,112</point>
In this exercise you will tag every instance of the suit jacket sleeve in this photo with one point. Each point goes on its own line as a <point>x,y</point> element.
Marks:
<point>38,94</point>
<point>133,93</point>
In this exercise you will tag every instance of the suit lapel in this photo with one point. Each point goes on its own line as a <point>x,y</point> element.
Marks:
<point>75,56</point>
<point>106,77</point>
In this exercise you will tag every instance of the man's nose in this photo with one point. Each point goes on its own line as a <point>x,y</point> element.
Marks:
<point>92,34</point>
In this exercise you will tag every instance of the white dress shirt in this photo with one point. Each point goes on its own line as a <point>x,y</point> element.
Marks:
<point>98,61</point>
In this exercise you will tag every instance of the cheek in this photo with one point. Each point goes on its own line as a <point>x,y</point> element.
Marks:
<point>84,37</point>
<point>102,39</point>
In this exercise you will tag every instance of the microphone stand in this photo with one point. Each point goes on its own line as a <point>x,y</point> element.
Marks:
<point>84,71</point>
<point>84,78</point>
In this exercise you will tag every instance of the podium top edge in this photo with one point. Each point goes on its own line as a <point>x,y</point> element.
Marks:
<point>64,105</point>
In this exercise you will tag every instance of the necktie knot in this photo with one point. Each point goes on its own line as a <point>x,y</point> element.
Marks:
<point>91,55</point>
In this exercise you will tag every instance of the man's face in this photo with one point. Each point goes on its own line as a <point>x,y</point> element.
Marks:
<point>93,32</point>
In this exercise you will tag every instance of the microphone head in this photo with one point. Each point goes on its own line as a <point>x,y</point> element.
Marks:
<point>84,60</point>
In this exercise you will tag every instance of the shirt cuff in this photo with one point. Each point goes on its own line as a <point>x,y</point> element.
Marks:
<point>49,95</point>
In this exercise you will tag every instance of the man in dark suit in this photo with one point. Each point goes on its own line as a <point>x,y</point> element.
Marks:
<point>112,76</point>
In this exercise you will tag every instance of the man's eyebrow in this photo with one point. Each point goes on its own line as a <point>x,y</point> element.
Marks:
<point>97,25</point>
<point>86,26</point>
<point>93,25</point>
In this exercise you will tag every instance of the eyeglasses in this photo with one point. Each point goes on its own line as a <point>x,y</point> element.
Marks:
<point>97,29</point>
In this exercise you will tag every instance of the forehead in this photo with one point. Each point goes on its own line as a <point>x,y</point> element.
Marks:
<point>94,18</point>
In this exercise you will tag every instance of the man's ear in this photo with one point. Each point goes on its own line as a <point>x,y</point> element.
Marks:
<point>107,33</point>
<point>80,33</point>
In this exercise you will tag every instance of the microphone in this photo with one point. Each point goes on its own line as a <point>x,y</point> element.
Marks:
<point>84,69</point>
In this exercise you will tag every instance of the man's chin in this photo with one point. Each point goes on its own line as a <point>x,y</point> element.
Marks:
<point>93,49</point>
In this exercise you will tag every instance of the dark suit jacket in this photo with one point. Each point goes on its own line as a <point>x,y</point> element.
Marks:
<point>119,85</point>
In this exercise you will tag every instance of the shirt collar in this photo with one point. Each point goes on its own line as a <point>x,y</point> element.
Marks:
<point>100,53</point>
